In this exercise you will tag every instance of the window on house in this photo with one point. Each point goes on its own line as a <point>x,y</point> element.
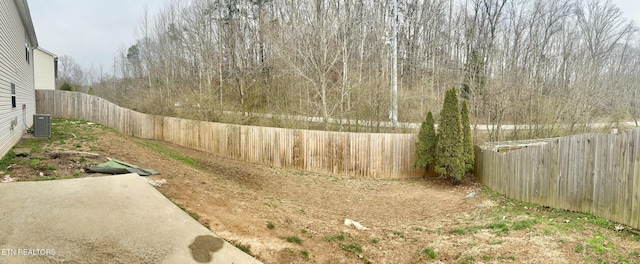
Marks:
<point>13,95</point>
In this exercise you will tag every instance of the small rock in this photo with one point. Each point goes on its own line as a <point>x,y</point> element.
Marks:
<point>7,179</point>
<point>157,183</point>
<point>349,222</point>
<point>470,195</point>
<point>567,221</point>
<point>41,174</point>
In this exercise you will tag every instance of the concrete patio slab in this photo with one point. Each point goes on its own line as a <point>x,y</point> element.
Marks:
<point>112,219</point>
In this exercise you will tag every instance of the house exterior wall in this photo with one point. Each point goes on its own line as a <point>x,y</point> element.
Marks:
<point>44,67</point>
<point>17,40</point>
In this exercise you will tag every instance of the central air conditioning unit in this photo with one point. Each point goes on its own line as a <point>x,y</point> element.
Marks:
<point>41,125</point>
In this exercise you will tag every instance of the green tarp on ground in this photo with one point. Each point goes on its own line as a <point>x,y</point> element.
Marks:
<point>120,167</point>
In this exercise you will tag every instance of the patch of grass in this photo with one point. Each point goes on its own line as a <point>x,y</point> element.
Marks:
<point>353,248</point>
<point>240,246</point>
<point>468,260</point>
<point>292,239</point>
<point>579,248</point>
<point>374,241</point>
<point>523,224</point>
<point>304,231</point>
<point>623,260</point>
<point>339,237</point>
<point>399,234</point>
<point>82,159</point>
<point>499,227</point>
<point>34,164</point>
<point>420,229</point>
<point>50,167</point>
<point>270,225</point>
<point>486,258</point>
<point>165,151</point>
<point>304,254</point>
<point>428,252</point>
<point>549,231</point>
<point>634,253</point>
<point>8,159</point>
<point>509,258</point>
<point>599,244</point>
<point>496,242</point>
<point>193,215</point>
<point>35,144</point>
<point>601,222</point>
<point>94,148</point>
<point>458,231</point>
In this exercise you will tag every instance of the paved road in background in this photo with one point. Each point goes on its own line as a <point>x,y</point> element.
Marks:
<point>388,124</point>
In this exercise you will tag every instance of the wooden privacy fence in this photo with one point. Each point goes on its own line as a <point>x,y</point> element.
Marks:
<point>597,174</point>
<point>383,156</point>
<point>591,173</point>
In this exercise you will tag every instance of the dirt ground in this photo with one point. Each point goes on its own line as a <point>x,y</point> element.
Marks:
<point>285,216</point>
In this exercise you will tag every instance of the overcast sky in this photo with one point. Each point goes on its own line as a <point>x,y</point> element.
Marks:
<point>92,31</point>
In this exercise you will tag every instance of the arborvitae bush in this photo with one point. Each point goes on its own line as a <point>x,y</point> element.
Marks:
<point>426,144</point>
<point>450,162</point>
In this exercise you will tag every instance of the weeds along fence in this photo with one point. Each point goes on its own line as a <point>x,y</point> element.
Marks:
<point>597,174</point>
<point>382,156</point>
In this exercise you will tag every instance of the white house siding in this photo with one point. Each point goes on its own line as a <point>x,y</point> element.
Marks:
<point>15,32</point>
<point>44,67</point>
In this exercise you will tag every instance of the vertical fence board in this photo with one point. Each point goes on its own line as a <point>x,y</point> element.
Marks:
<point>588,163</point>
<point>635,182</point>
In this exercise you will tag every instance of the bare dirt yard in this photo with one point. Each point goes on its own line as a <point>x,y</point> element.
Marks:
<point>284,216</point>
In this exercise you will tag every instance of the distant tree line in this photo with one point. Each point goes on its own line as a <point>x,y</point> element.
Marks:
<point>539,63</point>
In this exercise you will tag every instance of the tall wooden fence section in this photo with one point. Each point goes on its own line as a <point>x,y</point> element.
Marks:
<point>591,173</point>
<point>597,174</point>
<point>383,156</point>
